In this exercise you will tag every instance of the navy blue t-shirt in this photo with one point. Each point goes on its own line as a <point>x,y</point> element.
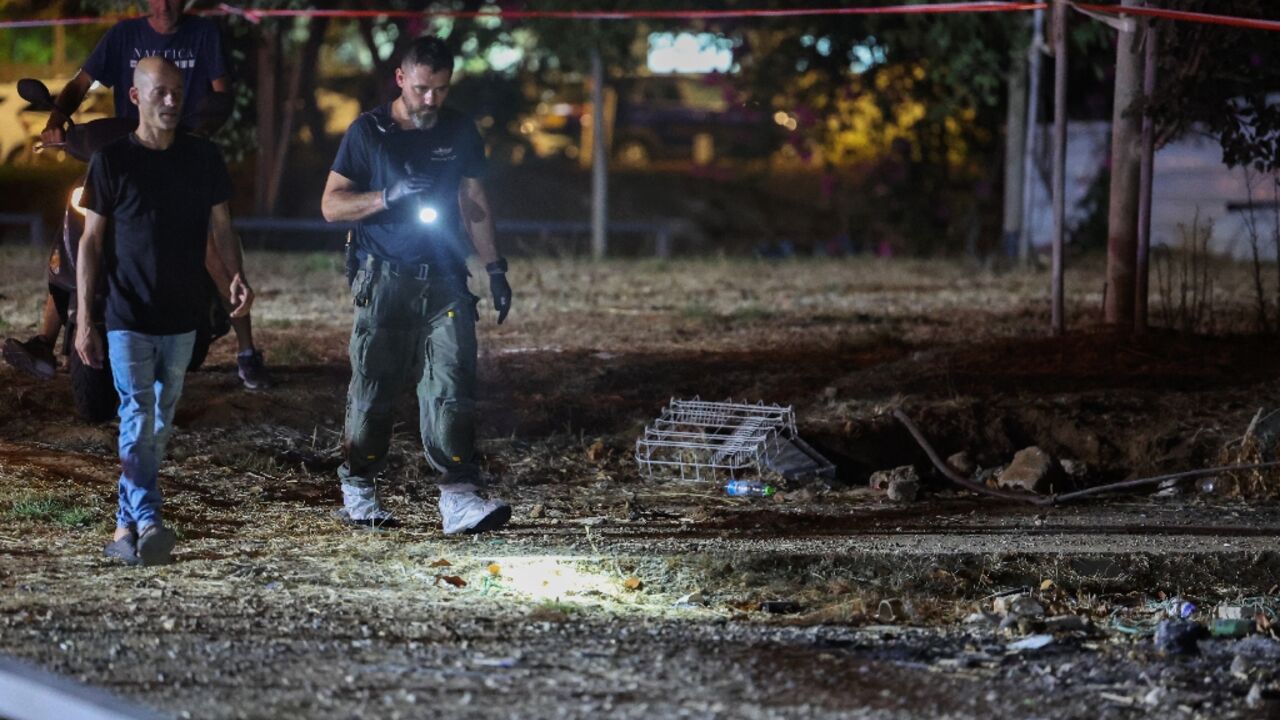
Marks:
<point>195,47</point>
<point>158,204</point>
<point>376,152</point>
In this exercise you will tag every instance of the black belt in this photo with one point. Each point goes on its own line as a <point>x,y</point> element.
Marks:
<point>419,272</point>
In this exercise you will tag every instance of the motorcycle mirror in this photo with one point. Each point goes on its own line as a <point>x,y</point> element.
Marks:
<point>35,92</point>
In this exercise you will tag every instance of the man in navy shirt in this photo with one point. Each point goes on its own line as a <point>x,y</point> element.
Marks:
<point>194,45</point>
<point>165,195</point>
<point>409,174</point>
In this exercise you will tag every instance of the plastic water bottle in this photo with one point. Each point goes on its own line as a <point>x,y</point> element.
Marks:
<point>748,488</point>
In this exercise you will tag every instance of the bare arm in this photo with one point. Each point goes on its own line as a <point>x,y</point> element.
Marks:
<point>344,201</point>
<point>478,219</point>
<point>68,100</point>
<point>88,265</point>
<point>227,247</point>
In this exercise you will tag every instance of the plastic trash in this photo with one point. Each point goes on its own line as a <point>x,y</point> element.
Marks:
<point>748,488</point>
<point>1183,609</point>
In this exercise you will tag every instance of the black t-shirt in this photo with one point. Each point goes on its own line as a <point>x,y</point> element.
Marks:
<point>376,152</point>
<point>157,203</point>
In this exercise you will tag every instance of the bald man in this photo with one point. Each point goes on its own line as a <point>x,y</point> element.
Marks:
<point>161,190</point>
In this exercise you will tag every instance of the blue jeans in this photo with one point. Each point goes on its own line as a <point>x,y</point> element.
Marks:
<point>148,371</point>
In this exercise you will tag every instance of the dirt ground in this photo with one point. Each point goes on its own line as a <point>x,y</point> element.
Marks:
<point>615,594</point>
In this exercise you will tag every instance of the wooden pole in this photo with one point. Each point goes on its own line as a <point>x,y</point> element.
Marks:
<point>599,162</point>
<point>1029,149</point>
<point>1014,154</point>
<point>266,101</point>
<point>1122,214</point>
<point>1059,161</point>
<point>1145,179</point>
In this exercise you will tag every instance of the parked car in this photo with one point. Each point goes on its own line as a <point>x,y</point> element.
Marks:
<point>657,117</point>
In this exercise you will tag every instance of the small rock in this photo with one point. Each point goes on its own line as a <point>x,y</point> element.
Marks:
<point>1032,470</point>
<point>1033,642</point>
<point>1178,637</point>
<point>1254,699</point>
<point>1154,696</point>
<point>1019,605</point>
<point>881,479</point>
<point>693,599</point>
<point>1074,468</point>
<point>903,490</point>
<point>893,610</point>
<point>1240,665</point>
<point>538,511</point>
<point>962,463</point>
<point>981,618</point>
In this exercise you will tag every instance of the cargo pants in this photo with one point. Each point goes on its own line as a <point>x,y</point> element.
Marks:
<point>410,330</point>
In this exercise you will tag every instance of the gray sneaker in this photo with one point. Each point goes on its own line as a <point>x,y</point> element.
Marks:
<point>155,545</point>
<point>125,550</point>
<point>34,357</point>
<point>463,510</point>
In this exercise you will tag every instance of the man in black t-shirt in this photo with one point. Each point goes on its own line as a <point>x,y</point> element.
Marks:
<point>409,174</point>
<point>153,201</point>
<point>194,45</point>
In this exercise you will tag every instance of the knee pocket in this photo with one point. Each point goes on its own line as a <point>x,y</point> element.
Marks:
<point>455,428</point>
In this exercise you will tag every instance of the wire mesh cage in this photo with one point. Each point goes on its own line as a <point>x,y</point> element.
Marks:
<point>697,440</point>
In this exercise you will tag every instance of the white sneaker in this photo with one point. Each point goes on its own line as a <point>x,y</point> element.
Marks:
<point>362,509</point>
<point>462,510</point>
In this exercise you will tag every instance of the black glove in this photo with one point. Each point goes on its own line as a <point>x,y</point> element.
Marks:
<point>500,288</point>
<point>406,188</point>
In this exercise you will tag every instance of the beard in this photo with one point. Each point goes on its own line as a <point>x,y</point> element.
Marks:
<point>423,117</point>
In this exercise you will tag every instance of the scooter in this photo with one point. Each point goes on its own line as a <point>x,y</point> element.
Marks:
<point>93,389</point>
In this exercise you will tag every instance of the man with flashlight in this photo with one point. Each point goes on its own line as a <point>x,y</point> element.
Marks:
<point>408,173</point>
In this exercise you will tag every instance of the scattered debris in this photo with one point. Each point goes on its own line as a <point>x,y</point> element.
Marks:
<point>881,479</point>
<point>981,618</point>
<point>1231,628</point>
<point>632,583</point>
<point>780,607</point>
<point>453,580</point>
<point>691,600</point>
<point>538,511</point>
<point>1066,623</point>
<point>1238,612</point>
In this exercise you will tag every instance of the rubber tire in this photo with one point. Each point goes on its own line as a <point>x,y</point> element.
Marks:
<point>93,390</point>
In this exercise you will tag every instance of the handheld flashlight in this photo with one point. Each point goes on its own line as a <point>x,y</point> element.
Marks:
<point>427,215</point>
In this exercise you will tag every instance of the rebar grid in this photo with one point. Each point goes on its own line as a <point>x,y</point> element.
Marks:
<point>701,439</point>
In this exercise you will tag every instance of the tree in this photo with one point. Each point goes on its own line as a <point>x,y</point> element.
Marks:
<point>1220,80</point>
